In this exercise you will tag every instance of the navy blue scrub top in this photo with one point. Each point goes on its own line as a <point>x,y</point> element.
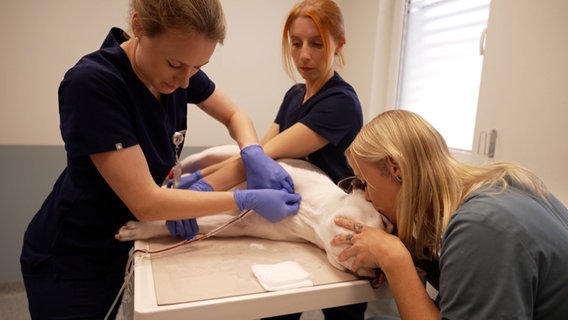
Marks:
<point>103,106</point>
<point>334,113</point>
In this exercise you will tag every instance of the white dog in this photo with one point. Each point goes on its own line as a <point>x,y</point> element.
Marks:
<point>322,201</point>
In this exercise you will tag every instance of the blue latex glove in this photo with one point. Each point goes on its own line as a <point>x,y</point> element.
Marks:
<point>274,205</point>
<point>186,180</point>
<point>187,228</point>
<point>263,172</point>
<point>199,185</point>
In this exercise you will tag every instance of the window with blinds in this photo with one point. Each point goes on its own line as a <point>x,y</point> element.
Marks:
<point>441,65</point>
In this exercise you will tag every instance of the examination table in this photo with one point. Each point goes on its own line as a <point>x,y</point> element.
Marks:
<point>212,279</point>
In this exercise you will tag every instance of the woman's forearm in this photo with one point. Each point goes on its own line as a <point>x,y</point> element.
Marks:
<point>412,299</point>
<point>225,175</point>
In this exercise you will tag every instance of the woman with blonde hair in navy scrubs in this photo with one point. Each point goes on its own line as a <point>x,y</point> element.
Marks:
<point>123,116</point>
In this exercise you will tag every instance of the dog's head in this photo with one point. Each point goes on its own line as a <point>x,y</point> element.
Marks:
<point>355,207</point>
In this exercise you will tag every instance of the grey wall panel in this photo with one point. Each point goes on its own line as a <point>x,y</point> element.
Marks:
<point>28,174</point>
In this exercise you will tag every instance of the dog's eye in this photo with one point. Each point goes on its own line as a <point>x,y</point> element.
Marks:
<point>351,183</point>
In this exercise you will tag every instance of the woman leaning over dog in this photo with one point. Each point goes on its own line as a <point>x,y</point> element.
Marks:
<point>123,112</point>
<point>501,238</point>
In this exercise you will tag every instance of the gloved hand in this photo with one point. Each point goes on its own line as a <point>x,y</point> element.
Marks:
<point>272,204</point>
<point>187,228</point>
<point>199,185</point>
<point>263,172</point>
<point>186,180</point>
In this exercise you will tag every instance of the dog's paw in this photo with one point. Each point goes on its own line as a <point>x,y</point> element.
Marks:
<point>367,272</point>
<point>142,230</point>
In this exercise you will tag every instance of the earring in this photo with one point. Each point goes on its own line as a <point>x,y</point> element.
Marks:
<point>399,179</point>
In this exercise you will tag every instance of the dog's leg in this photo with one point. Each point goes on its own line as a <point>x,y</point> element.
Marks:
<point>144,230</point>
<point>138,230</point>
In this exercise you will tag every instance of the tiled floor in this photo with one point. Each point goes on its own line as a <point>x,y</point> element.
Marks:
<point>13,302</point>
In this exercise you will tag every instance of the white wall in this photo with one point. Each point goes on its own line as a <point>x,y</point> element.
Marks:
<point>523,87</point>
<point>42,39</point>
<point>247,67</point>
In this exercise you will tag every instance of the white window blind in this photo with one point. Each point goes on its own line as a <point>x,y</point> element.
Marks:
<point>441,65</point>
